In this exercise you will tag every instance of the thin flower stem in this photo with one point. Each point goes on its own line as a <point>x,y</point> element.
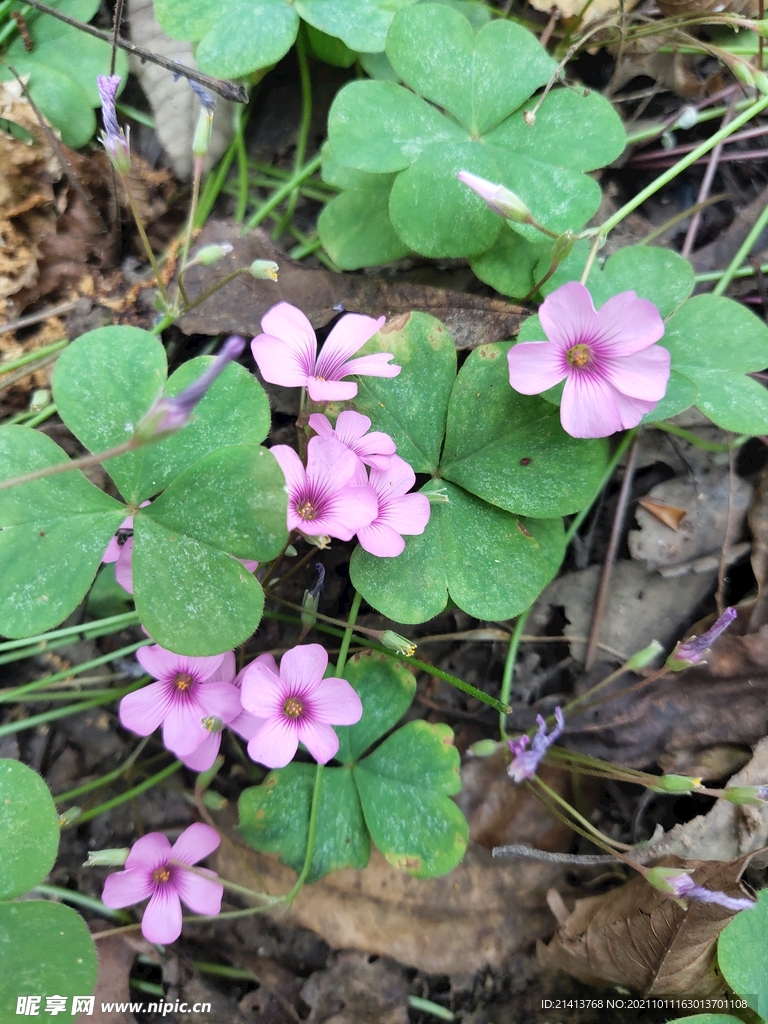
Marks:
<point>715,275</point>
<point>311,837</point>
<point>104,780</point>
<point>347,638</point>
<point>509,667</point>
<point>65,467</point>
<point>596,243</point>
<point>375,633</point>
<point>707,446</point>
<point>241,890</point>
<point>51,716</point>
<point>17,692</point>
<point>603,840</point>
<point>138,220</point>
<point>129,794</point>
<point>196,176</point>
<point>304,126</point>
<point>277,197</point>
<point>32,357</point>
<point>743,251</point>
<point>295,568</point>
<point>669,175</point>
<point>276,561</point>
<point>116,621</point>
<point>56,892</point>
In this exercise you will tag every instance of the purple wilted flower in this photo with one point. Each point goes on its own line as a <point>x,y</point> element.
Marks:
<point>113,138</point>
<point>679,884</point>
<point>693,651</point>
<point>207,99</point>
<point>170,414</point>
<point>156,869</point>
<point>526,762</point>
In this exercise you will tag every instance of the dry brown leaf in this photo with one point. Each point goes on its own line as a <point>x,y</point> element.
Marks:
<point>116,958</point>
<point>581,9</point>
<point>641,939</point>
<point>667,514</point>
<point>357,989</point>
<point>674,8</point>
<point>238,307</point>
<point>758,527</point>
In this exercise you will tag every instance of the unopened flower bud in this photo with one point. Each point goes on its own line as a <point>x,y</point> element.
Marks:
<point>563,247</point>
<point>107,858</point>
<point>748,75</point>
<point>212,723</point>
<point>113,138</point>
<point>323,542</point>
<point>754,795</point>
<point>201,141</point>
<point>310,603</point>
<point>676,784</point>
<point>497,198</point>
<point>211,254</point>
<point>40,398</point>
<point>70,816</point>
<point>214,801</point>
<point>642,658</point>
<point>483,748</point>
<point>264,270</point>
<point>437,497</point>
<point>399,644</point>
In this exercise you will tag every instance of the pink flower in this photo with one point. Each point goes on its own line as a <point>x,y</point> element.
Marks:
<point>120,551</point>
<point>399,512</point>
<point>373,449</point>
<point>187,692</point>
<point>286,353</point>
<point>154,868</point>
<point>614,372</point>
<point>299,705</point>
<point>331,496</point>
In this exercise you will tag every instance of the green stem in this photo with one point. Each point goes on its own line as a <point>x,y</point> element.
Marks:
<point>690,158</point>
<point>277,197</point>
<point>56,892</point>
<point>601,839</point>
<point>32,357</point>
<point>65,467</point>
<point>242,166</point>
<point>347,637</point>
<point>427,1006</point>
<point>144,240</point>
<point>129,794</point>
<point>42,416</point>
<point>688,435</point>
<point>311,837</point>
<point>51,716</point>
<point>715,275</point>
<point>16,692</point>
<point>104,780</point>
<point>116,621</point>
<point>509,668</point>
<point>304,126</point>
<point>743,251</point>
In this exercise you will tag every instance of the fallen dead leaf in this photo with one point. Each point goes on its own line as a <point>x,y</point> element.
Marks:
<point>358,989</point>
<point>667,514</point>
<point>639,938</point>
<point>238,307</point>
<point>116,956</point>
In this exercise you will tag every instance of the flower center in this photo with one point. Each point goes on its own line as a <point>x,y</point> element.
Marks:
<point>293,707</point>
<point>182,681</point>
<point>307,510</point>
<point>579,356</point>
<point>161,875</point>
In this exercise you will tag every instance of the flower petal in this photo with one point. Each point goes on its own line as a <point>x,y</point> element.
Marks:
<point>228,668</point>
<point>202,757</point>
<point>201,895</point>
<point>334,702</point>
<point>589,407</point>
<point>536,366</point>
<point>302,668</point>
<point>322,425</point>
<point>568,316</point>
<point>124,888</point>
<point>262,692</point>
<point>195,843</point>
<point>220,699</point>
<point>162,918</point>
<point>246,724</point>
<point>124,566</point>
<point>286,351</point>
<point>627,324</point>
<point>330,465</point>
<point>642,375</point>
<point>275,744</point>
<point>320,740</point>
<point>292,467</point>
<point>183,729</point>
<point>345,512</point>
<point>632,410</point>
<point>381,540</point>
<point>408,514</point>
<point>350,427</point>
<point>397,479</point>
<point>149,852</point>
<point>144,710</point>
<point>113,550</point>
<point>158,662</point>
<point>376,365</point>
<point>347,337</point>
<point>321,390</point>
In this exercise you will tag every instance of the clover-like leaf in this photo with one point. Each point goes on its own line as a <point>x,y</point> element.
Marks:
<point>510,449</point>
<point>386,689</point>
<point>743,957</point>
<point>492,563</point>
<point>404,787</point>
<point>47,948</point>
<point>53,534</point>
<point>339,229</point>
<point>29,839</point>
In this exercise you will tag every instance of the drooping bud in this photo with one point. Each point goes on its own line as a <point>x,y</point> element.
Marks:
<point>483,748</point>
<point>264,270</point>
<point>642,658</point>
<point>211,254</point>
<point>563,247</point>
<point>676,784</point>
<point>113,138</point>
<point>399,644</point>
<point>694,650</point>
<point>678,883</point>
<point>170,414</point>
<point>70,816</point>
<point>753,795</point>
<point>201,141</point>
<point>497,198</point>
<point>107,858</point>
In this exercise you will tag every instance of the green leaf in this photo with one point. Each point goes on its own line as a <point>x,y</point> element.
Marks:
<point>386,689</point>
<point>60,99</point>
<point>107,597</point>
<point>339,228</point>
<point>380,127</point>
<point>54,534</point>
<point>493,564</point>
<point>47,949</point>
<point>188,19</point>
<point>330,49</point>
<point>29,839</point>
<point>244,35</point>
<point>455,222</point>
<point>103,384</point>
<point>435,51</point>
<point>475,11</point>
<point>681,394</point>
<point>376,65</point>
<point>335,173</point>
<point>361,24</point>
<point>742,954</point>
<point>412,414</point>
<point>510,265</point>
<point>550,139</point>
<point>510,449</point>
<point>234,411</point>
<point>274,818</point>
<point>404,789</point>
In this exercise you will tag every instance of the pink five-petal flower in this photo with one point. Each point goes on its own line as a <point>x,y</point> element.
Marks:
<point>286,353</point>
<point>399,512</point>
<point>154,868</point>
<point>188,690</point>
<point>614,372</point>
<point>299,705</point>
<point>373,449</point>
<point>330,496</point>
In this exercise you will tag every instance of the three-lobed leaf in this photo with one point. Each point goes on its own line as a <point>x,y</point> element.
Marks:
<point>742,954</point>
<point>29,839</point>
